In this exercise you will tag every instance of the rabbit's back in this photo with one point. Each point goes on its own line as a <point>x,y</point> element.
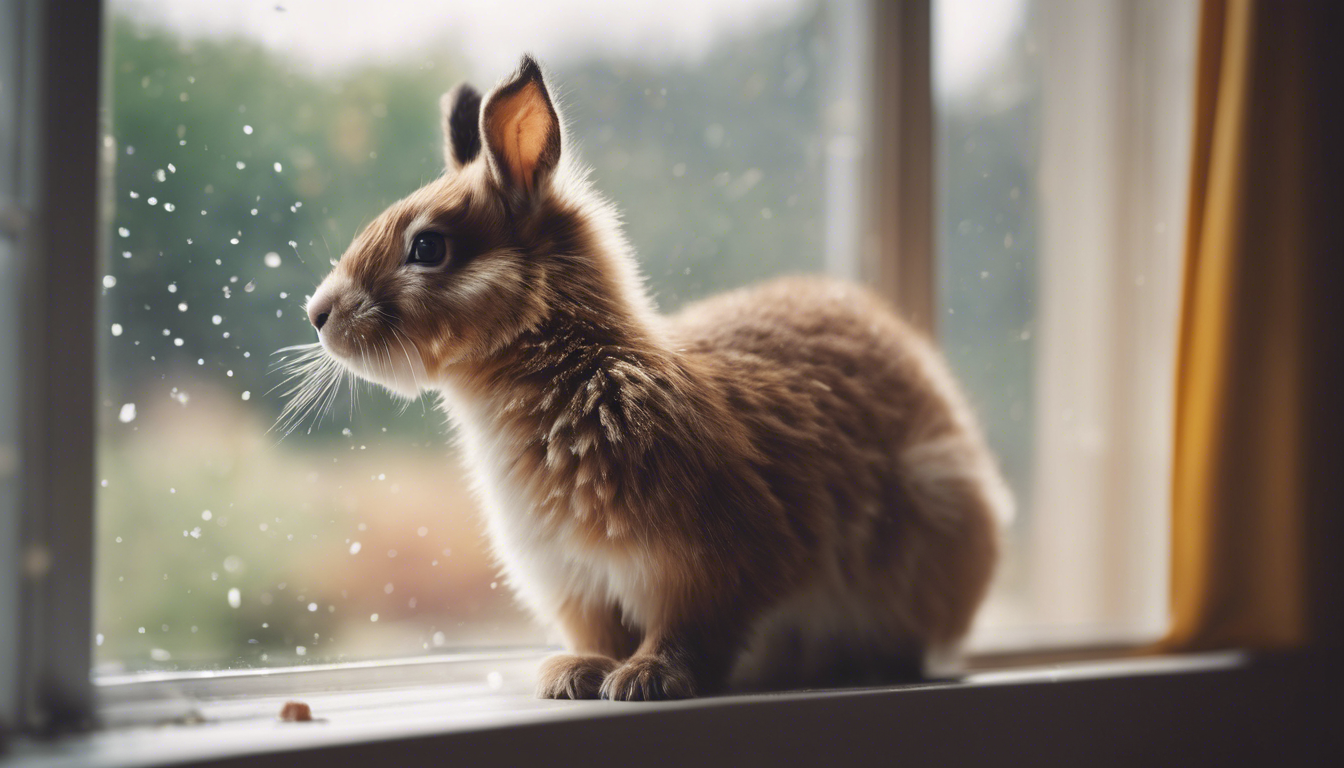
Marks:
<point>871,445</point>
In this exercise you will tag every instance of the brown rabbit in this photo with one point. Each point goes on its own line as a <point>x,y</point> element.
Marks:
<point>778,486</point>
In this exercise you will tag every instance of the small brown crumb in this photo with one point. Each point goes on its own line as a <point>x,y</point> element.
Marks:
<point>296,712</point>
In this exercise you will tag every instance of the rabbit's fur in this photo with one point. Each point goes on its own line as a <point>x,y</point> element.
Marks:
<point>777,486</point>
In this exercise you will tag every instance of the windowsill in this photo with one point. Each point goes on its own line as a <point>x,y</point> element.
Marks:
<point>1155,705</point>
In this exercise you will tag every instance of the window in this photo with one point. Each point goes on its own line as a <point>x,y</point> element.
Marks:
<point>245,146</point>
<point>1057,123</point>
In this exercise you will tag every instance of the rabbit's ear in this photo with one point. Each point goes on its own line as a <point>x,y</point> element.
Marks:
<point>521,131</point>
<point>461,125</point>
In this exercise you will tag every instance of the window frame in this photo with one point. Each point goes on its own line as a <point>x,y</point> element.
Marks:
<point>53,688</point>
<point>46,682</point>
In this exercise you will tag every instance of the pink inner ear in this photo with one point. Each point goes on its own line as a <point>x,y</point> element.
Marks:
<point>521,126</point>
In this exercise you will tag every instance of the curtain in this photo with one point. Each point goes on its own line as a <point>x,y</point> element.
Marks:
<point>1244,367</point>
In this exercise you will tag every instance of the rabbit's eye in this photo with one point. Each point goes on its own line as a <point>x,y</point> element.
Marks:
<point>427,248</point>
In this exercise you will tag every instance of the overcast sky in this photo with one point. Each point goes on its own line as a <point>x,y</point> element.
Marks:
<point>492,33</point>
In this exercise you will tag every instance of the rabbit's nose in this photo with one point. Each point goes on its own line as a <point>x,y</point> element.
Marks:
<point>319,310</point>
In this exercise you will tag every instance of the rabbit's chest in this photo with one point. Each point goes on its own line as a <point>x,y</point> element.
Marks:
<point>549,554</point>
<point>551,564</point>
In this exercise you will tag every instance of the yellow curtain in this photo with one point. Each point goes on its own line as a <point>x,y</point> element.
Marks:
<point>1238,554</point>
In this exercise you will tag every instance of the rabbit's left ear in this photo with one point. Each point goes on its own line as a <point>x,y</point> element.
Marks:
<point>461,125</point>
<point>521,131</point>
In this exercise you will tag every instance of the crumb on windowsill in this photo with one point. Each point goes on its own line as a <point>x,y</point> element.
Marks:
<point>296,712</point>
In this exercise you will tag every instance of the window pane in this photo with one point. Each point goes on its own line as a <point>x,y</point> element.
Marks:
<point>988,90</point>
<point>248,144</point>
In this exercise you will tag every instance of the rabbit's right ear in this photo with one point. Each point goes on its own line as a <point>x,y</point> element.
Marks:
<point>521,131</point>
<point>461,125</point>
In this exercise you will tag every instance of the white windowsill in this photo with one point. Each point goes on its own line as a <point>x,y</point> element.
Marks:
<point>239,726</point>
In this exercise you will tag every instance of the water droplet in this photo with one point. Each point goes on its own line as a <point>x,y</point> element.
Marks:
<point>312,607</point>
<point>127,414</point>
<point>247,395</point>
<point>272,259</point>
<point>278,168</point>
<point>182,306</point>
<point>116,329</point>
<point>206,515</point>
<point>124,232</point>
<point>374,617</point>
<point>355,546</point>
<point>300,650</point>
<point>216,319</point>
<point>235,597</point>
<point>251,286</point>
<point>241,165</point>
<point>247,129</point>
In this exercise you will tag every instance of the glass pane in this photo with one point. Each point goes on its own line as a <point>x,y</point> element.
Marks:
<point>987,91</point>
<point>249,144</point>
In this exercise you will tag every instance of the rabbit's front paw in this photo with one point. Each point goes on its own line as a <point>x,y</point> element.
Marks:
<point>648,678</point>
<point>569,676</point>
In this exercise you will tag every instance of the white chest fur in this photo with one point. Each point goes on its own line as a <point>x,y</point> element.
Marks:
<point>545,564</point>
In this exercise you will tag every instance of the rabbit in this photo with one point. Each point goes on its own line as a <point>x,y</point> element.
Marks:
<point>775,487</point>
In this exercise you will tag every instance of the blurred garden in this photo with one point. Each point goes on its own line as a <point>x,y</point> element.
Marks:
<point>236,172</point>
